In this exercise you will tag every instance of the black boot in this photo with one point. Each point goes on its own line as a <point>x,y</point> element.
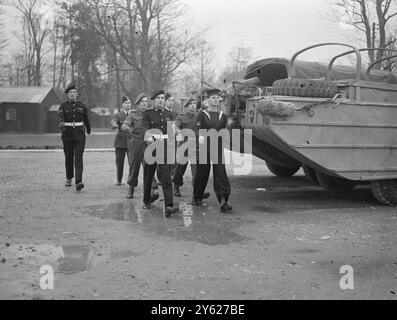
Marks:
<point>154,196</point>
<point>169,210</point>
<point>79,186</point>
<point>177,192</point>
<point>225,207</point>
<point>197,203</point>
<point>130,194</point>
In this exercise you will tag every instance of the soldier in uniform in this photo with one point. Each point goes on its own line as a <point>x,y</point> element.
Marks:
<point>186,120</point>
<point>133,128</point>
<point>169,105</point>
<point>208,119</point>
<point>157,118</point>
<point>120,142</point>
<point>73,122</point>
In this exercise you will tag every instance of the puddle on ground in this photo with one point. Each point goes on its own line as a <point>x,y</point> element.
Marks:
<point>305,250</point>
<point>75,259</point>
<point>64,259</point>
<point>267,209</point>
<point>206,225</point>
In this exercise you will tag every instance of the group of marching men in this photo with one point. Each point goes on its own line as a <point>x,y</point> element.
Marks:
<point>134,124</point>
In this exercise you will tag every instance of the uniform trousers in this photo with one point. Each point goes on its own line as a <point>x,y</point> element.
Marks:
<point>74,151</point>
<point>180,172</point>
<point>120,156</point>
<point>180,168</point>
<point>164,176</point>
<point>221,181</point>
<point>135,154</point>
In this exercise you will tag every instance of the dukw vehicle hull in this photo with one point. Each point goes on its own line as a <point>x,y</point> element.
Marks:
<point>343,132</point>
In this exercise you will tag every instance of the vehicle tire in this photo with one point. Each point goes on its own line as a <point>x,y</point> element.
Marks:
<point>310,174</point>
<point>281,171</point>
<point>385,191</point>
<point>305,88</point>
<point>334,184</point>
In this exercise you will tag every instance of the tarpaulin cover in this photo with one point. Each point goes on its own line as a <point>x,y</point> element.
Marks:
<point>272,69</point>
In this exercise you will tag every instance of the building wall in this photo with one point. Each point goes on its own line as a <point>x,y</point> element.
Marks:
<point>27,117</point>
<point>49,121</point>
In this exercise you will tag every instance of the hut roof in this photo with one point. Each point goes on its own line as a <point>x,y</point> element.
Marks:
<point>34,95</point>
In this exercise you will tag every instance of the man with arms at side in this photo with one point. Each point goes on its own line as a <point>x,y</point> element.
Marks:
<point>73,115</point>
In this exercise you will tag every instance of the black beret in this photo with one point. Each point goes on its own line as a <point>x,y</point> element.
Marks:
<point>124,99</point>
<point>156,93</point>
<point>188,101</point>
<point>211,92</point>
<point>70,87</point>
<point>167,96</point>
<point>139,98</point>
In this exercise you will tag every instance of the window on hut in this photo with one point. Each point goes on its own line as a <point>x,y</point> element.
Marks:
<point>11,114</point>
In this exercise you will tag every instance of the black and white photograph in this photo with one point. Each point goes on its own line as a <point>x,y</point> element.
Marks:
<point>198,155</point>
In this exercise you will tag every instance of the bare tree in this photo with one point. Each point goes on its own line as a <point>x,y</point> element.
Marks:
<point>205,57</point>
<point>239,60</point>
<point>3,40</point>
<point>145,35</point>
<point>373,18</point>
<point>59,39</point>
<point>37,30</point>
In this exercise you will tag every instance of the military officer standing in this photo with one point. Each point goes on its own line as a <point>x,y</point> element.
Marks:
<point>120,141</point>
<point>157,118</point>
<point>133,128</point>
<point>212,118</point>
<point>73,122</point>
<point>186,120</point>
<point>169,105</point>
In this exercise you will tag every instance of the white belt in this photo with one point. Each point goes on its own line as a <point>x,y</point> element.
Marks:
<point>74,124</point>
<point>160,136</point>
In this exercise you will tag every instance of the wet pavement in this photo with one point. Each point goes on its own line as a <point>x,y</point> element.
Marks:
<point>203,225</point>
<point>64,259</point>
<point>285,239</point>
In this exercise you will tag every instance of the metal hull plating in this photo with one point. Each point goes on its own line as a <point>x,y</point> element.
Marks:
<point>347,138</point>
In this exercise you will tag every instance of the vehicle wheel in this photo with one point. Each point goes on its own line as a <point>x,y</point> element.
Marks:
<point>310,174</point>
<point>334,184</point>
<point>281,171</point>
<point>305,88</point>
<point>385,191</point>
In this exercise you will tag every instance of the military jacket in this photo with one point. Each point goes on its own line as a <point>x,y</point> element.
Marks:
<point>121,138</point>
<point>157,119</point>
<point>74,111</point>
<point>133,125</point>
<point>186,120</point>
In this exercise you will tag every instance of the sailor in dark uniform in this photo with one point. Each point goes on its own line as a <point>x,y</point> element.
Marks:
<point>212,118</point>
<point>73,122</point>
<point>157,118</point>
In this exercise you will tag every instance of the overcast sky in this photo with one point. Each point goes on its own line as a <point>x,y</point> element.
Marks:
<point>271,27</point>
